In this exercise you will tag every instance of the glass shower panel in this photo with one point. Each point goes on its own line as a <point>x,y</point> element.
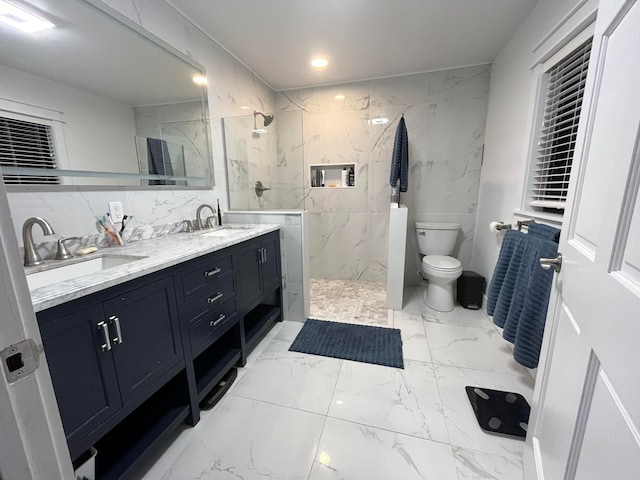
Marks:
<point>271,155</point>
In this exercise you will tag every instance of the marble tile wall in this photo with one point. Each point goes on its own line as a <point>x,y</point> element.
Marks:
<point>445,115</point>
<point>295,278</point>
<point>275,158</point>
<point>180,124</point>
<point>230,86</point>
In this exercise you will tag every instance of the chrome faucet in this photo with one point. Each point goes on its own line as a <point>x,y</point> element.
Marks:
<point>31,256</point>
<point>199,218</point>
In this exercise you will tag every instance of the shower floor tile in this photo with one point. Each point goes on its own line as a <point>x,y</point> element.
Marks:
<point>350,302</point>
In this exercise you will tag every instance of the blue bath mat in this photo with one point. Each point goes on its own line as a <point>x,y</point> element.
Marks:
<point>360,343</point>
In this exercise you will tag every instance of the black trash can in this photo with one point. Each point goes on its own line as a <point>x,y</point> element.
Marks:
<point>470,289</point>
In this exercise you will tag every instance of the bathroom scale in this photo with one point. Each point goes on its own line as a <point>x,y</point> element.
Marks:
<point>503,413</point>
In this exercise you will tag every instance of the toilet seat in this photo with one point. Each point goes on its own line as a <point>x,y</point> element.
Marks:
<point>441,263</point>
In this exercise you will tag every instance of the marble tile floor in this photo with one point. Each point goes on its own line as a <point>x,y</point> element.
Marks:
<point>298,416</point>
<point>349,301</point>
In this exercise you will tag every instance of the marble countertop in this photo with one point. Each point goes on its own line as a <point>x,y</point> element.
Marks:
<point>158,253</point>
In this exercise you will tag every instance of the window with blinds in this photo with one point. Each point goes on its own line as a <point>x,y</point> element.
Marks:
<point>26,145</point>
<point>558,132</point>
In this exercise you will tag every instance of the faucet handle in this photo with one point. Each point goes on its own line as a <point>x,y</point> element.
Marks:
<point>211,222</point>
<point>189,225</point>
<point>63,252</point>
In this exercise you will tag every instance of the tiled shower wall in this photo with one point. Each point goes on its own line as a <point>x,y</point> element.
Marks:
<point>273,158</point>
<point>445,115</point>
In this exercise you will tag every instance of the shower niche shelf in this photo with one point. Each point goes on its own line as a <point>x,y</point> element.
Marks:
<point>332,175</point>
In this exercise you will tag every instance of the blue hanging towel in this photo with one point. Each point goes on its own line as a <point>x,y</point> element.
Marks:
<point>159,160</point>
<point>400,158</point>
<point>518,295</point>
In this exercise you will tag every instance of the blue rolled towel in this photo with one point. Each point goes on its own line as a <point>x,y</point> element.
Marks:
<point>505,271</point>
<point>518,295</point>
<point>541,230</point>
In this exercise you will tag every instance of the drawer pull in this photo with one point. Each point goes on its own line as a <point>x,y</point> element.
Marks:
<point>213,272</point>
<point>220,319</point>
<point>105,332</point>
<point>117,340</point>
<point>218,296</point>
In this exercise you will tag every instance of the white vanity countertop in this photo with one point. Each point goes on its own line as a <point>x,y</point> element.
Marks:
<point>160,253</point>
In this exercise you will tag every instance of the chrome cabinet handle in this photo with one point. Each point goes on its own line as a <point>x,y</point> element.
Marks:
<point>259,252</point>
<point>218,296</point>
<point>105,332</point>
<point>264,255</point>
<point>213,272</point>
<point>555,263</point>
<point>118,338</point>
<point>216,322</point>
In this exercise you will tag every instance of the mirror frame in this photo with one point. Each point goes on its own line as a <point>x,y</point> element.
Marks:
<point>207,182</point>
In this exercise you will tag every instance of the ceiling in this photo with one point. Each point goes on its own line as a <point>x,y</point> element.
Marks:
<point>362,39</point>
<point>90,50</point>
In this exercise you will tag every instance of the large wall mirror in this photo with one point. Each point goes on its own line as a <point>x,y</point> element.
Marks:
<point>98,102</point>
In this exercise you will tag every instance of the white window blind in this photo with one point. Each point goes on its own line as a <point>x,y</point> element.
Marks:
<point>26,145</point>
<point>558,132</point>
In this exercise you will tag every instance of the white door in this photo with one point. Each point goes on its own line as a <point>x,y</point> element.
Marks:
<point>32,443</point>
<point>586,412</point>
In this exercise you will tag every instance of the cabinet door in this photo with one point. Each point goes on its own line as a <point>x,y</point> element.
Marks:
<point>249,276</point>
<point>149,341</point>
<point>271,264</point>
<point>82,370</point>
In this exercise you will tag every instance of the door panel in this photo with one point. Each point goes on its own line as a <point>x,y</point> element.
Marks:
<point>250,286</point>
<point>83,374</point>
<point>150,337</point>
<point>591,380</point>
<point>270,268</point>
<point>610,442</point>
<point>561,407</point>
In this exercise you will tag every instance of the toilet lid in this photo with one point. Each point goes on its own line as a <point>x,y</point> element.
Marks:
<point>441,262</point>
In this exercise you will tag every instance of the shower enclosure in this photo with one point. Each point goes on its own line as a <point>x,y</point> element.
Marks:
<point>265,161</point>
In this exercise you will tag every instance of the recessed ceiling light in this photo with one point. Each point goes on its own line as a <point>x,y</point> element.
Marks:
<point>319,62</point>
<point>379,121</point>
<point>199,79</point>
<point>339,97</point>
<point>245,107</point>
<point>19,18</point>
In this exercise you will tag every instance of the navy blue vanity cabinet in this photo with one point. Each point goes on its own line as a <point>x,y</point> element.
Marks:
<point>145,335</point>
<point>81,367</point>
<point>109,352</point>
<point>258,269</point>
<point>209,310</point>
<point>259,287</point>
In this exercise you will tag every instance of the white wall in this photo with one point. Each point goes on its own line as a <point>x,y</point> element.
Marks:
<point>111,150</point>
<point>509,126</point>
<point>230,86</point>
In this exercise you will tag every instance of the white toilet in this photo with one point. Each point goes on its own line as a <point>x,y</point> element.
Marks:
<point>436,242</point>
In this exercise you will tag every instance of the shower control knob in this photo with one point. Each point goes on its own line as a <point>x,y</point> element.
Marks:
<point>555,263</point>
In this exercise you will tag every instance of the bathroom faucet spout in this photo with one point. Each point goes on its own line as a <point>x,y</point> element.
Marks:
<point>201,226</point>
<point>31,256</point>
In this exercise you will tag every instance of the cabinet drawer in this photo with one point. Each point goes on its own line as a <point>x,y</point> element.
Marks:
<point>209,299</point>
<point>205,272</point>
<point>210,326</point>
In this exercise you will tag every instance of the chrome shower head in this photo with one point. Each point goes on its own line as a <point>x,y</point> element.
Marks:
<point>267,118</point>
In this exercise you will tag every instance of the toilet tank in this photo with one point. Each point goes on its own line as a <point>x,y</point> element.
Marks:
<point>436,238</point>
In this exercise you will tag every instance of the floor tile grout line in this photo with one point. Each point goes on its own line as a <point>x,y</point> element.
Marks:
<point>387,430</point>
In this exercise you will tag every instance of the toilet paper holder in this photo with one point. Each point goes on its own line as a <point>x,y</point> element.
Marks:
<point>500,226</point>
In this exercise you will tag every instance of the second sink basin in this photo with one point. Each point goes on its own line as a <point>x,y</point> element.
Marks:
<point>78,269</point>
<point>223,232</point>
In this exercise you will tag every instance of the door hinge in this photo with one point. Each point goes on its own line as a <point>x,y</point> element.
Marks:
<point>20,360</point>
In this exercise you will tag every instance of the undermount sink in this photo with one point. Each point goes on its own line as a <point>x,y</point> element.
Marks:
<point>70,271</point>
<point>223,232</point>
